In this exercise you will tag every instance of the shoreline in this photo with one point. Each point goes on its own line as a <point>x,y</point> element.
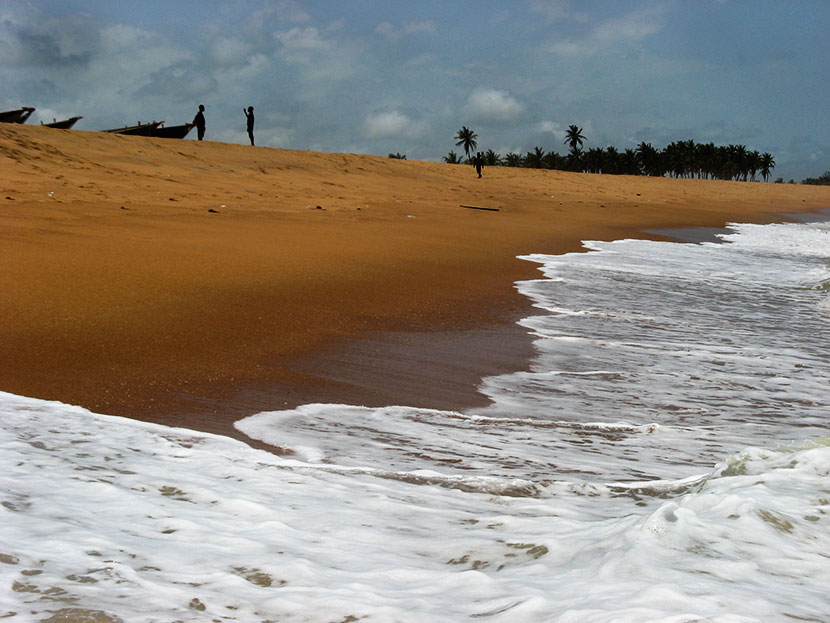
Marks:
<point>696,235</point>
<point>184,283</point>
<point>440,368</point>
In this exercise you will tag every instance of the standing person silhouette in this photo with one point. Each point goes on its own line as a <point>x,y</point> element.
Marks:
<point>478,162</point>
<point>199,121</point>
<point>249,115</point>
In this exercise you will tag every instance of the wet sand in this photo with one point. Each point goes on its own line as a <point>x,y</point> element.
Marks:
<point>194,283</point>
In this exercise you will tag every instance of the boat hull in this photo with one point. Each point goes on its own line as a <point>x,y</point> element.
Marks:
<point>173,131</point>
<point>16,116</point>
<point>66,124</point>
<point>142,129</point>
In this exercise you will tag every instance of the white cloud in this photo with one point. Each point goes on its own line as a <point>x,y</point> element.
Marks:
<point>503,150</point>
<point>387,31</point>
<point>276,137</point>
<point>321,59</point>
<point>133,60</point>
<point>390,32</point>
<point>133,49</point>
<point>254,65</point>
<point>554,128</point>
<point>181,81</point>
<point>47,115</point>
<point>392,124</point>
<point>613,35</point>
<point>492,105</point>
<point>629,29</point>
<point>299,44</point>
<point>229,51</point>
<point>46,42</point>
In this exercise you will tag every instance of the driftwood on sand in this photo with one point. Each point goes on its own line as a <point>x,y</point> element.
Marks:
<point>479,208</point>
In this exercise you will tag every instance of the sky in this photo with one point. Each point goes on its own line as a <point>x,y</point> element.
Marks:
<point>403,76</point>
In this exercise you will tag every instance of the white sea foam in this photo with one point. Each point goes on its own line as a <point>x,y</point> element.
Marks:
<point>665,458</point>
<point>149,523</point>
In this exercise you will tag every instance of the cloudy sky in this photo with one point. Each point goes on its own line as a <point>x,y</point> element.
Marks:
<point>381,76</point>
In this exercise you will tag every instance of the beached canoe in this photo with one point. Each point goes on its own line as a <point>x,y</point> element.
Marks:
<point>19,115</point>
<point>140,129</point>
<point>173,131</point>
<point>63,125</point>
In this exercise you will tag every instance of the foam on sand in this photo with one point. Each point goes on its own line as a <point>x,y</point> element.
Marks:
<point>140,522</point>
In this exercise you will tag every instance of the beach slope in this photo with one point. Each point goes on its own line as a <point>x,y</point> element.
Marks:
<point>194,282</point>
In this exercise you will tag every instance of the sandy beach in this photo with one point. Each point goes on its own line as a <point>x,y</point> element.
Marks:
<point>192,283</point>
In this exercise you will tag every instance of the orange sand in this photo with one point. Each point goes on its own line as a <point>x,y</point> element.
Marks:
<point>121,290</point>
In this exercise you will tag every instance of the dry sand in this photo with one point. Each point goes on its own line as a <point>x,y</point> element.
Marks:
<point>192,283</point>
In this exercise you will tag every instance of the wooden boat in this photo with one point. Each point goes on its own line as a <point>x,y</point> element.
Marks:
<point>140,129</point>
<point>173,131</point>
<point>16,116</point>
<point>63,125</point>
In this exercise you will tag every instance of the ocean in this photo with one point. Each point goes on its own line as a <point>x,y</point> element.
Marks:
<point>665,457</point>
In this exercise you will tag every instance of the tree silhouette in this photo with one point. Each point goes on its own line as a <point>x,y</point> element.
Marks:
<point>594,160</point>
<point>739,161</point>
<point>821,180</point>
<point>628,163</point>
<point>753,163</point>
<point>513,160</point>
<point>552,160</point>
<point>492,159</point>
<point>574,138</point>
<point>649,159</point>
<point>612,160</point>
<point>535,159</point>
<point>467,139</point>
<point>686,159</point>
<point>452,158</point>
<point>767,165</point>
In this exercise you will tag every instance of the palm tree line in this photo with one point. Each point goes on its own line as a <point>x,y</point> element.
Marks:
<point>680,159</point>
<point>821,180</point>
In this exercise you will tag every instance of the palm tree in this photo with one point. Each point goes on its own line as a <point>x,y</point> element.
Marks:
<point>707,159</point>
<point>535,159</point>
<point>730,162</point>
<point>593,160</point>
<point>492,159</point>
<point>681,158</point>
<point>677,158</point>
<point>821,180</point>
<point>740,154</point>
<point>513,160</point>
<point>767,164</point>
<point>574,138</point>
<point>628,163</point>
<point>611,160</point>
<point>552,160</point>
<point>689,157</point>
<point>753,163</point>
<point>649,159</point>
<point>467,139</point>
<point>575,161</point>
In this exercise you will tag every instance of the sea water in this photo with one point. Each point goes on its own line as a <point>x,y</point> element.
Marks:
<point>664,458</point>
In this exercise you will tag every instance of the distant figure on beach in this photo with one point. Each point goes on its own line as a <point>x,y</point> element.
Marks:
<point>199,121</point>
<point>249,115</point>
<point>478,162</point>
